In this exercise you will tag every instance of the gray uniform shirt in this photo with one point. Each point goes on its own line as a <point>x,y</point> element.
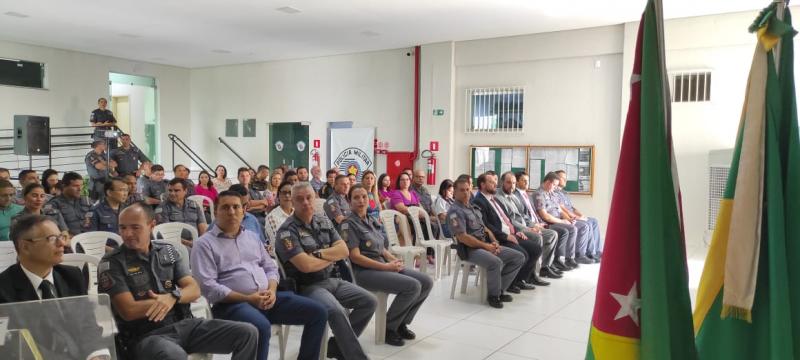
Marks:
<point>128,160</point>
<point>466,219</point>
<point>92,158</point>
<point>365,234</point>
<point>190,213</point>
<point>336,205</point>
<point>76,212</point>
<point>47,210</point>
<point>295,237</point>
<point>154,189</point>
<point>547,201</point>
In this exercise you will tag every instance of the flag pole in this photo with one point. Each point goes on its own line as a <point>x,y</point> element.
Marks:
<point>776,52</point>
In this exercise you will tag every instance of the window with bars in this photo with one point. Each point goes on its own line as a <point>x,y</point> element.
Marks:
<point>494,109</point>
<point>718,178</point>
<point>691,86</point>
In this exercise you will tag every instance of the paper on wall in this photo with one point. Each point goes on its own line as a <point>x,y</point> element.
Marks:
<point>518,159</point>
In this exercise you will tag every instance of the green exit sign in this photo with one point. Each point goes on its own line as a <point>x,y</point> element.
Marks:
<point>438,112</point>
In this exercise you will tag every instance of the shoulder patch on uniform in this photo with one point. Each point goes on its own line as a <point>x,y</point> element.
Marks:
<point>285,234</point>
<point>331,201</point>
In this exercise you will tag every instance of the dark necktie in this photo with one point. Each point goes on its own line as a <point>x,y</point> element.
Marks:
<point>47,290</point>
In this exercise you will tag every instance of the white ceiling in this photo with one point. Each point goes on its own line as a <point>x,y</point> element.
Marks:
<point>200,33</point>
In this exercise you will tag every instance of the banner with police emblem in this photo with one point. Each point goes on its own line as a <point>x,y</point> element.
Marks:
<point>352,150</point>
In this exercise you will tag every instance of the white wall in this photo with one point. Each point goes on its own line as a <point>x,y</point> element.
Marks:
<point>76,80</point>
<point>372,89</point>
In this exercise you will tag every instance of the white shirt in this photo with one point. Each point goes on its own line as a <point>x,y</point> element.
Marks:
<point>36,281</point>
<point>504,227</point>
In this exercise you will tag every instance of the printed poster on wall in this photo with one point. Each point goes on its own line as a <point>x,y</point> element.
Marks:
<point>352,150</point>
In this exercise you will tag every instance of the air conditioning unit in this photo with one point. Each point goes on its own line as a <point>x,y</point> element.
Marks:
<point>719,164</point>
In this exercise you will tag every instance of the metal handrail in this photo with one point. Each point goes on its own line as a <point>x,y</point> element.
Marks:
<point>193,156</point>
<point>235,153</point>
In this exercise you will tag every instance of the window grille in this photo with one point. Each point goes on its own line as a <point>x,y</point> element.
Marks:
<point>494,110</point>
<point>691,86</point>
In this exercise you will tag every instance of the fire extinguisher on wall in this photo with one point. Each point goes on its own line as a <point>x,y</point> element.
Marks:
<point>431,168</point>
<point>314,157</point>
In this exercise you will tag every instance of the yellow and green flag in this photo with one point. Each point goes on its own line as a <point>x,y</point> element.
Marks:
<point>642,307</point>
<point>748,303</point>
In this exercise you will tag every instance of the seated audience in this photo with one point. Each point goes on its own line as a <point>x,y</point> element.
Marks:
<point>258,204</point>
<point>74,207</point>
<point>526,209</point>
<point>337,207</point>
<point>594,248</point>
<point>442,204</point>
<point>240,279</point>
<point>5,174</point>
<point>271,192</point>
<point>352,179</point>
<point>283,211</point>
<point>370,183</point>
<point>385,189</point>
<point>478,245</point>
<point>34,196</point>
<point>178,209</point>
<point>250,222</point>
<point>206,188</point>
<point>291,177</point>
<point>151,290</point>
<point>262,174</point>
<point>133,193</point>
<point>38,275</point>
<point>143,177</point>
<point>302,173</point>
<point>105,213</point>
<point>182,172</point>
<point>155,187</point>
<point>308,245</point>
<point>327,188</point>
<point>376,269</point>
<point>403,197</point>
<point>8,209</point>
<point>26,177</point>
<point>50,182</point>
<point>316,178</point>
<point>221,181</point>
<point>547,207</point>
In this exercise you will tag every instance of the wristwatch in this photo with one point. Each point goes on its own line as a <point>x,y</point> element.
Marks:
<point>176,293</point>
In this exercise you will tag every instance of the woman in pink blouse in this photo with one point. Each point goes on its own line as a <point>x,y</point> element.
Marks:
<point>205,187</point>
<point>384,188</point>
<point>402,197</point>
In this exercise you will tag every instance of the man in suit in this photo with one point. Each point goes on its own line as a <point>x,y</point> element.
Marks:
<point>38,276</point>
<point>496,218</point>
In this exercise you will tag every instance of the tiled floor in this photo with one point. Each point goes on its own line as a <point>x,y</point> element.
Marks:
<point>549,323</point>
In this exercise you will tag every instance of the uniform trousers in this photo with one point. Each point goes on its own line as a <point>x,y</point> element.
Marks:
<point>411,286</point>
<point>289,309</point>
<point>501,269</point>
<point>189,336</point>
<point>531,248</point>
<point>336,295</point>
<point>595,246</point>
<point>567,235</point>
<point>549,241</point>
<point>583,238</point>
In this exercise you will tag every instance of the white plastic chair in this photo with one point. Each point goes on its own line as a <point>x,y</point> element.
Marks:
<point>463,265</point>
<point>202,199</point>
<point>319,206</point>
<point>94,242</point>
<point>171,233</point>
<point>78,260</point>
<point>380,310</point>
<point>8,254</point>
<point>441,247</point>
<point>407,253</point>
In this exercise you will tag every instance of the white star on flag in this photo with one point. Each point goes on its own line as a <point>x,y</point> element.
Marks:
<point>629,305</point>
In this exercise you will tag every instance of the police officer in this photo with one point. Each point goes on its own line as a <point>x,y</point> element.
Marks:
<point>337,208</point>
<point>479,246</point>
<point>102,120</point>
<point>98,168</point>
<point>546,203</point>
<point>34,196</point>
<point>128,157</point>
<point>178,209</point>
<point>151,287</point>
<point>155,187</point>
<point>594,248</point>
<point>525,207</point>
<point>308,246</point>
<point>376,269</point>
<point>133,194</point>
<point>105,214</point>
<point>74,207</point>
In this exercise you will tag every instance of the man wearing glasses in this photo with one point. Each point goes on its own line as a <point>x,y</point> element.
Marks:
<point>38,275</point>
<point>8,209</point>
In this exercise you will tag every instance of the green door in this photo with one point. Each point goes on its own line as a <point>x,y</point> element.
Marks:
<point>288,145</point>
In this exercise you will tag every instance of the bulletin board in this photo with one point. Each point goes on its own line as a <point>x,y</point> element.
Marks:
<point>537,161</point>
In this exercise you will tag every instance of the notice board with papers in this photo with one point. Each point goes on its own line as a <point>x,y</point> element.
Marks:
<point>537,161</point>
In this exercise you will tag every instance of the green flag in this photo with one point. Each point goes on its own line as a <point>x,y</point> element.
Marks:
<point>748,304</point>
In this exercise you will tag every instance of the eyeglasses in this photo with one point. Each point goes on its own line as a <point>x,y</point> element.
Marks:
<point>52,239</point>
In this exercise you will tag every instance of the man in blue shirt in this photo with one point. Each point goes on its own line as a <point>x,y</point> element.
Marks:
<point>237,275</point>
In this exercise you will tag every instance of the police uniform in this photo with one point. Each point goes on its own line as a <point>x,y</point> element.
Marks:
<point>103,116</point>
<point>549,203</point>
<point>336,205</point>
<point>105,218</point>
<point>295,237</point>
<point>76,212</point>
<point>96,177</point>
<point>594,244</point>
<point>155,189</point>
<point>124,270</point>
<point>411,286</point>
<point>134,198</point>
<point>128,159</point>
<point>48,211</point>
<point>502,268</point>
<point>190,213</point>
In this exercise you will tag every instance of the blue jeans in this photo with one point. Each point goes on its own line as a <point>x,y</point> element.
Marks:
<point>289,309</point>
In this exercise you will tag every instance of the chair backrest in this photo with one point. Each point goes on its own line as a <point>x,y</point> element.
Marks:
<point>8,254</point>
<point>79,260</point>
<point>388,219</point>
<point>202,199</point>
<point>413,213</point>
<point>94,242</point>
<point>171,233</point>
<point>319,206</point>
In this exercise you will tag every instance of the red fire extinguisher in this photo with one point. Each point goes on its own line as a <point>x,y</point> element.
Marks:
<point>314,157</point>
<point>431,168</point>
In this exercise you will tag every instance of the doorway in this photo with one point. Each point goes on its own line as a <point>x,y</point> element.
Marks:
<point>288,144</point>
<point>134,103</point>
